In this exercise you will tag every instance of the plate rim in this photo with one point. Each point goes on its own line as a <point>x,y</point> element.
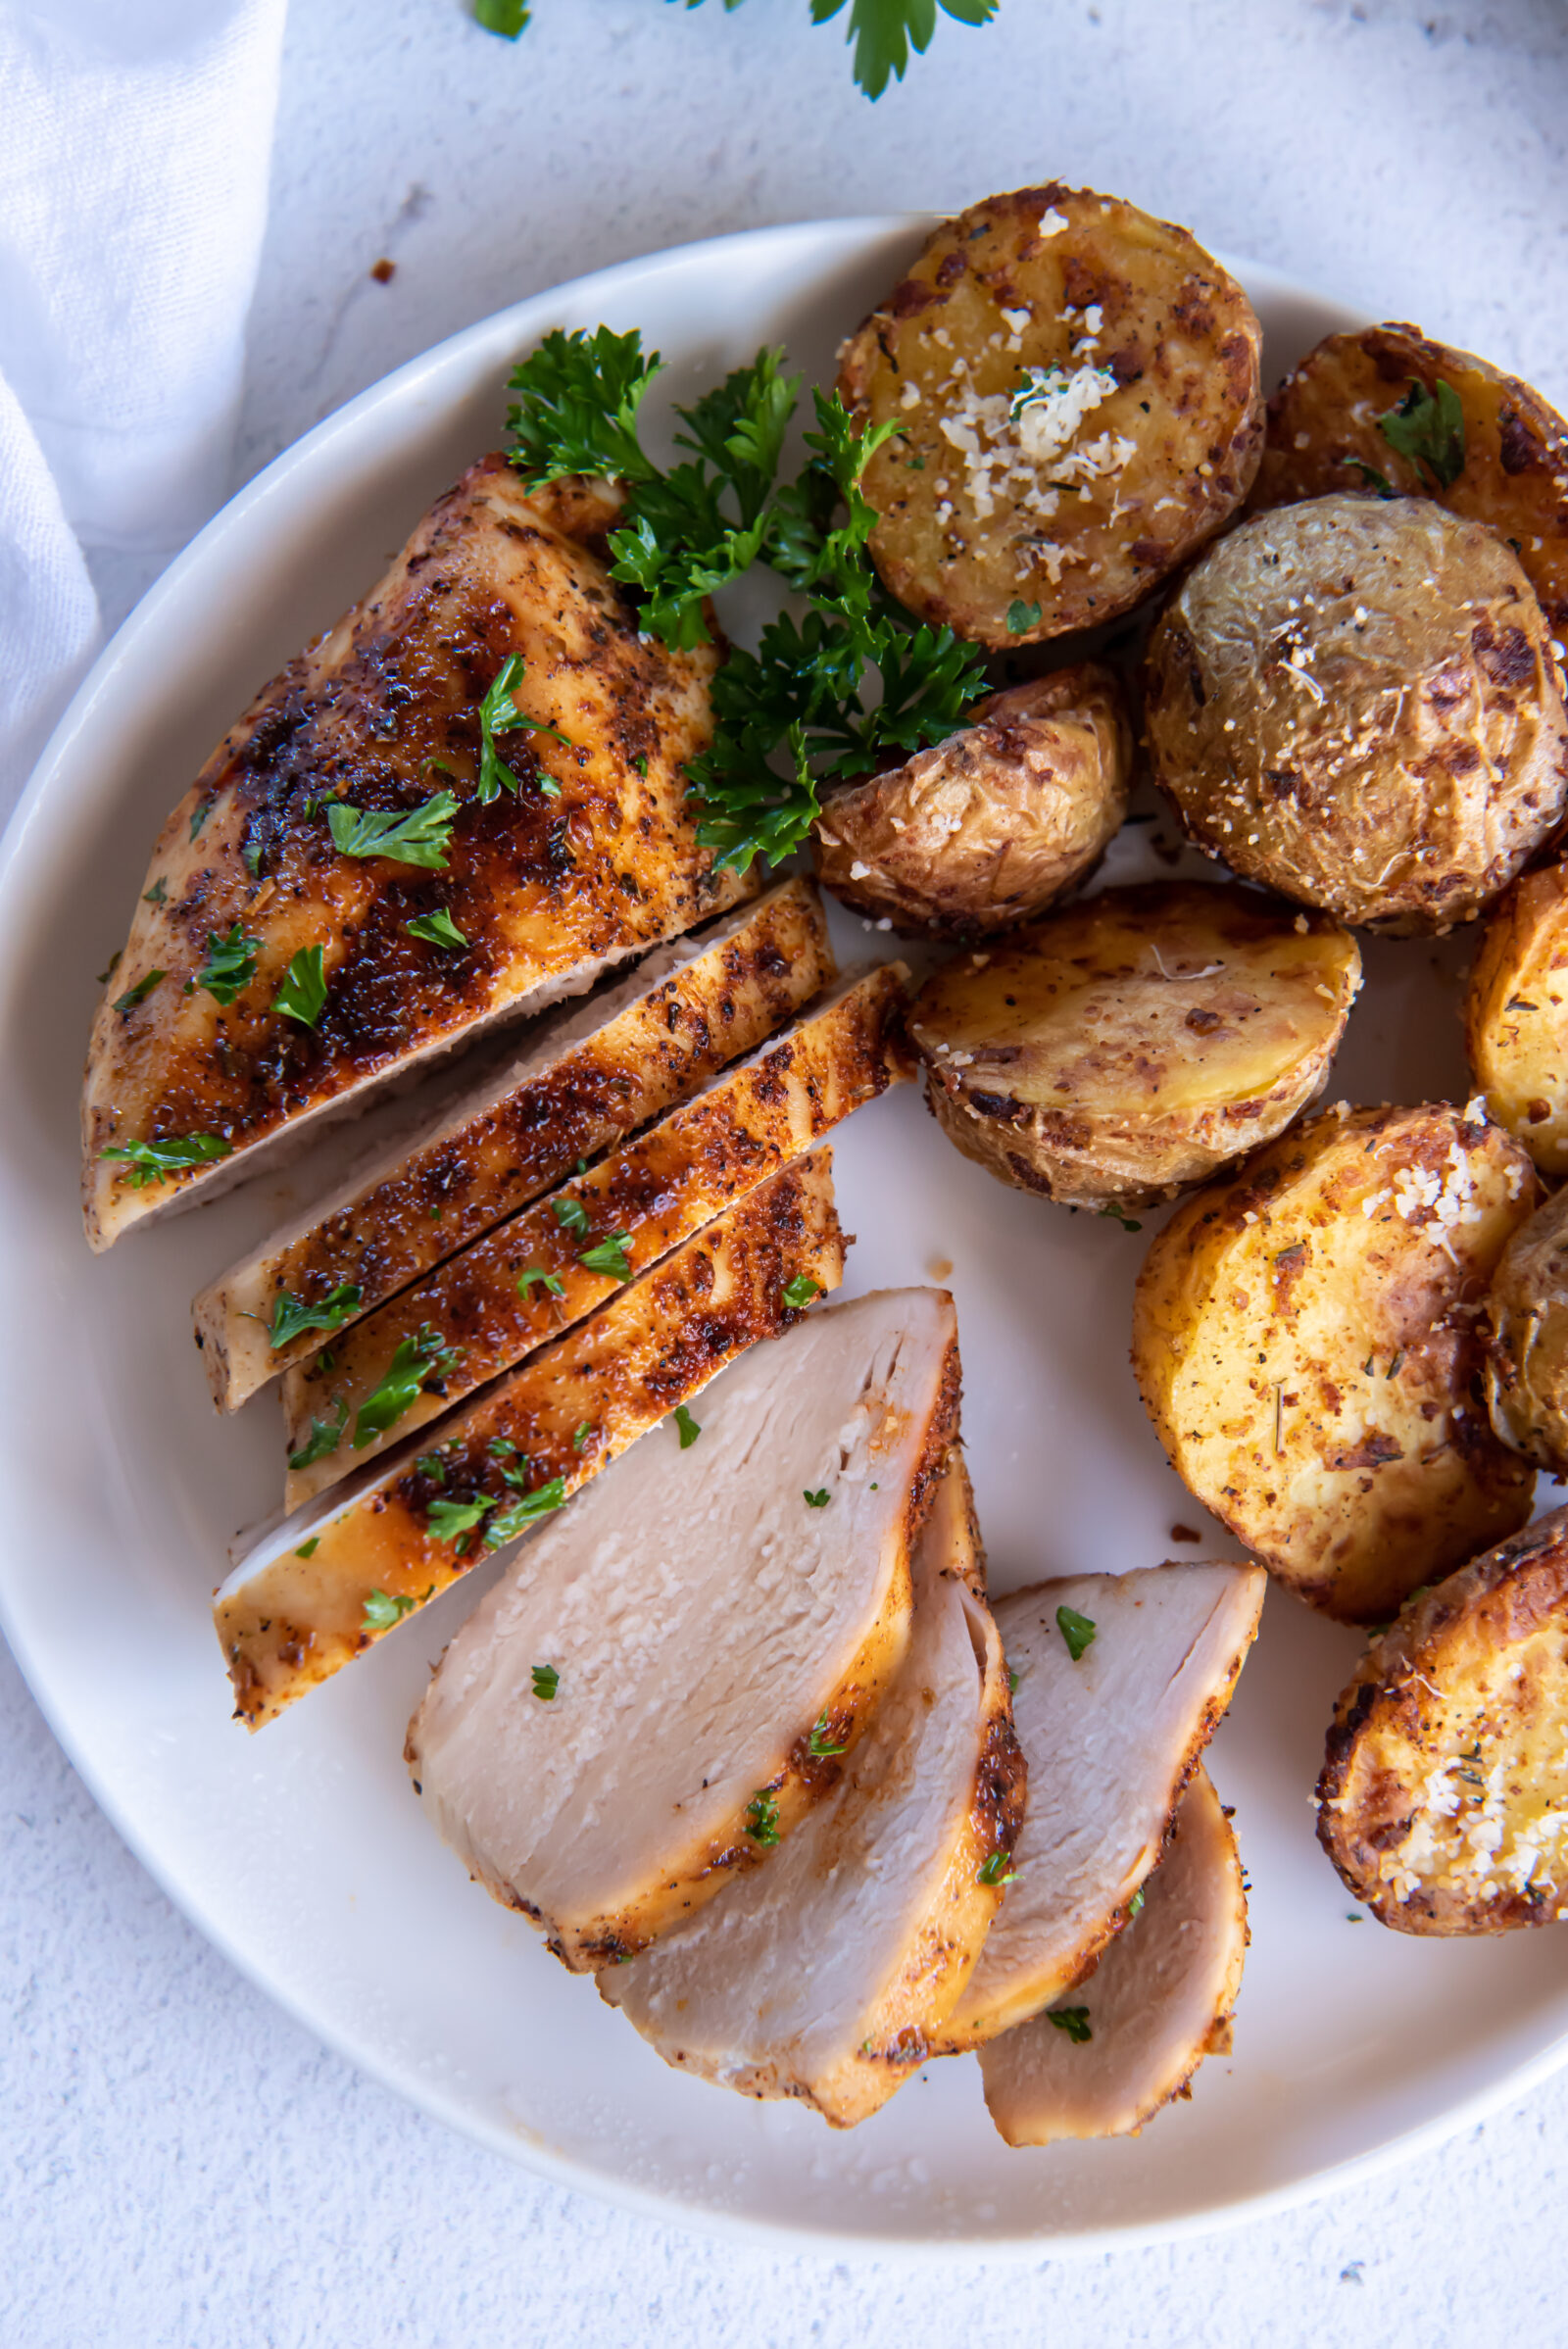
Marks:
<point>669,2208</point>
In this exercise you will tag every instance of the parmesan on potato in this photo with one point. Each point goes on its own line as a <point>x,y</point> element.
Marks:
<point>983,830</point>
<point>1075,388</point>
<point>1305,1342</point>
<point>1444,1799</point>
<point>1357,404</point>
<point>1516,1015</point>
<point>1527,1343</point>
<point>1137,1041</point>
<point>1355,702</point>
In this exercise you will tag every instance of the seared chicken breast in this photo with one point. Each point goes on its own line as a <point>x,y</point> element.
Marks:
<point>820,1973</point>
<point>705,1613</point>
<point>463,803</point>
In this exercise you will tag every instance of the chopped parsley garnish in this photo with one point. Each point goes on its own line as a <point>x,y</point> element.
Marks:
<point>420,836</point>
<point>381,1612</point>
<point>690,1429</point>
<point>157,894</point>
<point>416,1360</point>
<point>431,1464</point>
<point>1120,1216</point>
<point>1077,1629</point>
<point>640,763</point>
<point>308,1549</point>
<point>1428,427</point>
<point>820,1745</point>
<point>608,1257</point>
<point>326,1436</point>
<point>761,1818</point>
<point>303,993</point>
<point>230,964</point>
<point>290,1316</point>
<point>571,1215</point>
<point>499,714</point>
<point>998,1869</point>
<point>1376,480</point>
<point>526,1510</point>
<point>447,1519</point>
<point>1073,2020</point>
<point>436,929</point>
<point>791,715</point>
<point>508,18</point>
<point>1012,1683</point>
<point>580,1434</point>
<point>548,1281</point>
<point>200,817</point>
<point>140,992</point>
<point>1134,1905</point>
<point>801,1291</point>
<point>546,1681</point>
<point>154,1162</point>
<point>818,1499</point>
<point>1021,617</point>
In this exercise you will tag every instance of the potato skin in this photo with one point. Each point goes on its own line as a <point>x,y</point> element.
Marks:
<point>1354,701</point>
<point>1526,1339</point>
<point>1152,310</point>
<point>1516,1015</point>
<point>1304,1340</point>
<point>1515,474</point>
<point>1444,1788</point>
<point>1135,1042</point>
<point>981,831</point>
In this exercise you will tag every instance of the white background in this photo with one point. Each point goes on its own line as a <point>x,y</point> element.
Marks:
<point>183,2165</point>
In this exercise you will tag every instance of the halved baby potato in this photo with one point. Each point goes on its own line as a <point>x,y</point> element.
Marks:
<point>1137,1041</point>
<point>1369,405</point>
<point>981,831</point>
<point>1516,1015</point>
<point>1444,1799</point>
<point>1354,701</point>
<point>1075,387</point>
<point>1305,1342</point>
<point>1527,1348</point>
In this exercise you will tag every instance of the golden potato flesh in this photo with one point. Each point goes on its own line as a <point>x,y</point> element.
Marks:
<point>1330,425</point>
<point>1516,1015</point>
<point>1444,1799</point>
<point>1075,387</point>
<point>1137,1041</point>
<point>982,830</point>
<point>1527,1352</point>
<point>1305,1342</point>
<point>1354,701</point>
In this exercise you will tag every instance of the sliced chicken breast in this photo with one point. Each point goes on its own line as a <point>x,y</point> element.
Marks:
<point>1112,1737</point>
<point>382,858</point>
<point>1158,2001</point>
<point>821,1974</point>
<point>320,1586</point>
<point>698,1612</point>
<point>537,1274</point>
<point>585,1078</point>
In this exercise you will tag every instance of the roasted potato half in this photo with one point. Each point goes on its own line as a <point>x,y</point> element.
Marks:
<point>1444,1799</point>
<point>1516,1015</point>
<point>1354,701</point>
<point>985,829</point>
<point>1075,387</point>
<point>1527,1343</point>
<point>1367,409</point>
<point>1137,1041</point>
<point>1305,1340</point>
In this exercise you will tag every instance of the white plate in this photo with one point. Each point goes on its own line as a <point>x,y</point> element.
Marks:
<point>302,1852</point>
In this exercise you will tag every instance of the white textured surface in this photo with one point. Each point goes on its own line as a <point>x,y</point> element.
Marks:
<point>183,2165</point>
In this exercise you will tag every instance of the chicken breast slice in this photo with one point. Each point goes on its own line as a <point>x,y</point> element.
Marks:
<point>320,1586</point>
<point>270,973</point>
<point>587,1076</point>
<point>1157,2002</point>
<point>543,1270</point>
<point>1112,1740</point>
<point>700,1611</point>
<point>821,1974</point>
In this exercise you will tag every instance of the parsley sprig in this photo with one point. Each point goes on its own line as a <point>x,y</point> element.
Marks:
<point>824,698</point>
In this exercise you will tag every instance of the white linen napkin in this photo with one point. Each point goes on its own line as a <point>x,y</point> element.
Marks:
<point>135,138</point>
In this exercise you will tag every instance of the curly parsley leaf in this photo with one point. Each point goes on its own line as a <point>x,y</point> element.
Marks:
<point>148,1162</point>
<point>436,929</point>
<point>1428,427</point>
<point>579,410</point>
<point>303,994</point>
<point>290,1315</point>
<point>417,836</point>
<point>326,1436</point>
<point>884,31</point>
<point>416,1360</point>
<point>230,964</point>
